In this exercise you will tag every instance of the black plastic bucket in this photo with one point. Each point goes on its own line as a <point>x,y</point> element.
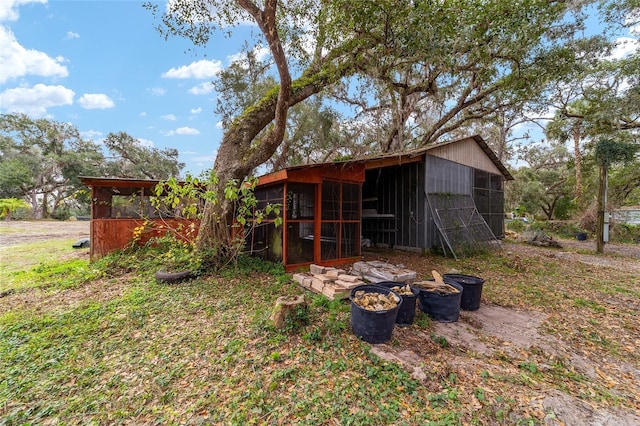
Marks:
<point>373,326</point>
<point>407,311</point>
<point>441,307</point>
<point>471,290</point>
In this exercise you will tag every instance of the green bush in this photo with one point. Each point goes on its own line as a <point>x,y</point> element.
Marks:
<point>516,225</point>
<point>23,213</point>
<point>560,228</point>
<point>625,233</point>
<point>565,208</point>
<point>61,214</point>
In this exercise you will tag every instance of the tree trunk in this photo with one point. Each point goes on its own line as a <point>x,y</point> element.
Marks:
<point>37,213</point>
<point>241,151</point>
<point>576,148</point>
<point>217,218</point>
<point>502,143</point>
<point>600,209</point>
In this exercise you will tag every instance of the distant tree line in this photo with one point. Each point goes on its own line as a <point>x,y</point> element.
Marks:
<point>41,160</point>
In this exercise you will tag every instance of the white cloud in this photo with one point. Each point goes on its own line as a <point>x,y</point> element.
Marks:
<point>158,91</point>
<point>183,131</point>
<point>168,117</point>
<point>17,61</point>
<point>196,110</point>
<point>142,114</point>
<point>199,70</point>
<point>625,46</point>
<point>202,89</point>
<point>71,35</point>
<point>260,52</point>
<point>91,134</point>
<point>625,84</point>
<point>219,125</point>
<point>95,101</point>
<point>187,131</point>
<point>145,142</point>
<point>205,160</point>
<point>8,8</point>
<point>35,101</point>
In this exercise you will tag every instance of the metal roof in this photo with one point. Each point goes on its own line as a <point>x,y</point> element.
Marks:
<point>403,157</point>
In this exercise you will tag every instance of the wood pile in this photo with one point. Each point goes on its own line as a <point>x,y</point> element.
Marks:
<point>334,283</point>
<point>436,287</point>
<point>376,271</point>
<point>543,240</point>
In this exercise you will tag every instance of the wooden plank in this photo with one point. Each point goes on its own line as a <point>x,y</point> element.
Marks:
<point>272,177</point>
<point>108,235</point>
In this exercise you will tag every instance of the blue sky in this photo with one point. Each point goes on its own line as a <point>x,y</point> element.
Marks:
<point>101,66</point>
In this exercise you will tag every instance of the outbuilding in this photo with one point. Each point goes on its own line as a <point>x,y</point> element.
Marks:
<point>448,195</point>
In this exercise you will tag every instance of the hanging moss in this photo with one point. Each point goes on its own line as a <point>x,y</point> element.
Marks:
<point>609,151</point>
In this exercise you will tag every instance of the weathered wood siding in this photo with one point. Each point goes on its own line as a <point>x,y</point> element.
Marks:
<point>466,152</point>
<point>108,235</point>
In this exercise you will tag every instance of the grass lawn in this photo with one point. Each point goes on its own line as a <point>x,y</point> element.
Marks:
<point>22,257</point>
<point>104,343</point>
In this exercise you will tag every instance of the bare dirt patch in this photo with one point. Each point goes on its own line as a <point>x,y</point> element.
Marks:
<point>497,342</point>
<point>42,300</point>
<point>619,256</point>
<point>559,348</point>
<point>22,232</point>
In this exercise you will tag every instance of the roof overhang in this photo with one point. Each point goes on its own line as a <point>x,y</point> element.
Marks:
<point>388,160</point>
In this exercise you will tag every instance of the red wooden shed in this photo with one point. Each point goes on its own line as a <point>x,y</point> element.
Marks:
<point>321,214</point>
<point>119,206</point>
<point>321,200</point>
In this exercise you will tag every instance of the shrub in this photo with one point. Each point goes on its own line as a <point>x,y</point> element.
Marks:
<point>516,225</point>
<point>625,233</point>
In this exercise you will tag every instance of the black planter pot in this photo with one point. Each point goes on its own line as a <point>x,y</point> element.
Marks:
<point>373,326</point>
<point>441,307</point>
<point>471,290</point>
<point>407,311</point>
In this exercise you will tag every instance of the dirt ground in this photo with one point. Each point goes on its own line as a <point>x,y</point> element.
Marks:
<point>493,332</point>
<point>24,232</point>
<point>480,339</point>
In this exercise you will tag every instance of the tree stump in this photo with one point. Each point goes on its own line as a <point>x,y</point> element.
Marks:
<point>285,306</point>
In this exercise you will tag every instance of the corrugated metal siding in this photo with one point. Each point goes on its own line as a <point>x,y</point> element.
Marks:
<point>401,191</point>
<point>466,152</point>
<point>447,177</point>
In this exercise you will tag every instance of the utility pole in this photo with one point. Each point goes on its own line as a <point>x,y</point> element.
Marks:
<point>602,205</point>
